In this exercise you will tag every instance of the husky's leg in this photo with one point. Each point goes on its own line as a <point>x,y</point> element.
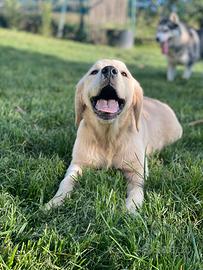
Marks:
<point>188,71</point>
<point>171,72</point>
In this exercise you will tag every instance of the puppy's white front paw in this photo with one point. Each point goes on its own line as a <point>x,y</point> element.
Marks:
<point>54,202</point>
<point>134,200</point>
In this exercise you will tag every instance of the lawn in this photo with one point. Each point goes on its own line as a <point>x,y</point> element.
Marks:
<point>92,230</point>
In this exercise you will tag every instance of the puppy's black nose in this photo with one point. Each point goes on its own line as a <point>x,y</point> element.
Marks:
<point>109,71</point>
<point>157,39</point>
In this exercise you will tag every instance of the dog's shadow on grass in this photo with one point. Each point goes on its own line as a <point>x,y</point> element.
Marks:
<point>37,97</point>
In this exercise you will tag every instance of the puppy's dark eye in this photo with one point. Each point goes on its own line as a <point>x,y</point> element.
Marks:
<point>124,74</point>
<point>94,72</point>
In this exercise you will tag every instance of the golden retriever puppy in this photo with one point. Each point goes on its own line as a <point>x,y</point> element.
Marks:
<point>117,127</point>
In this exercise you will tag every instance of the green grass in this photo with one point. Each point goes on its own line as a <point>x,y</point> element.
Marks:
<point>92,230</point>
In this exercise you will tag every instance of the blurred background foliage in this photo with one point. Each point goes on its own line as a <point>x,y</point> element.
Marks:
<point>90,20</point>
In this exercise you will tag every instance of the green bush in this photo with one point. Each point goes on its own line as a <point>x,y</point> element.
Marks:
<point>31,23</point>
<point>12,13</point>
<point>46,19</point>
<point>3,21</point>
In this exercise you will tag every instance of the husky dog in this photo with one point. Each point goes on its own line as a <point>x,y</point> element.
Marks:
<point>181,45</point>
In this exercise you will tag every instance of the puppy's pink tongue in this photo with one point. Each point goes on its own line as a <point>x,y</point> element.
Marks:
<point>164,47</point>
<point>109,106</point>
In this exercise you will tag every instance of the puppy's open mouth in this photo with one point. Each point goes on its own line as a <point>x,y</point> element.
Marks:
<point>107,105</point>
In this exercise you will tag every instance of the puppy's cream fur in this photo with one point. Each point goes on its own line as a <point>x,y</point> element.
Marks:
<point>143,126</point>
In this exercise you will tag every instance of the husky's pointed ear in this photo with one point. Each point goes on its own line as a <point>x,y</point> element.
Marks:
<point>79,103</point>
<point>174,17</point>
<point>137,103</point>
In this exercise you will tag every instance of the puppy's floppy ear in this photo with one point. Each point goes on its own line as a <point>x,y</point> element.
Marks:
<point>137,103</point>
<point>79,104</point>
<point>174,17</point>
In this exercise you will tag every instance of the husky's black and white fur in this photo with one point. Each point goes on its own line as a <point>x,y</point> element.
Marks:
<point>181,45</point>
